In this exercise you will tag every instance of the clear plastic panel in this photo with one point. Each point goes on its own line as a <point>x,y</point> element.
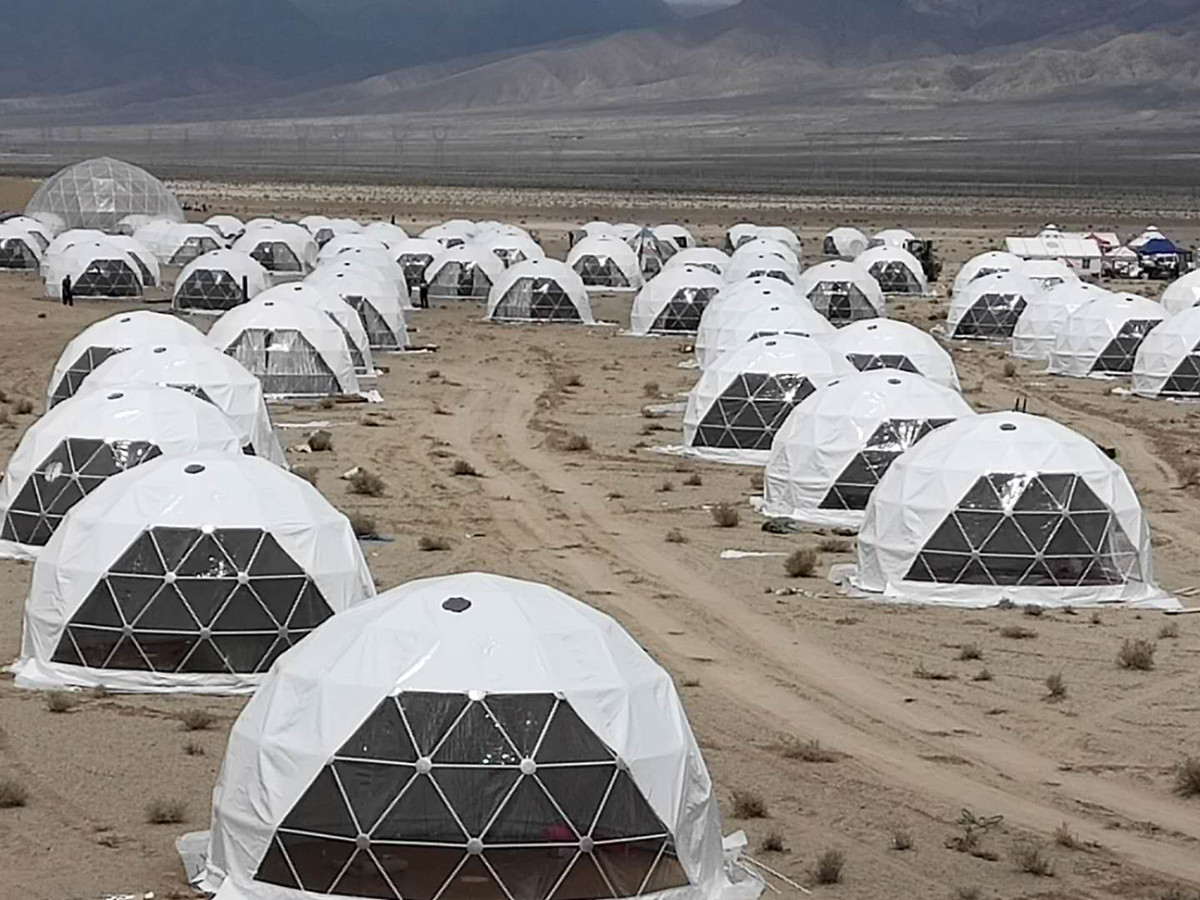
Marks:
<point>285,362</point>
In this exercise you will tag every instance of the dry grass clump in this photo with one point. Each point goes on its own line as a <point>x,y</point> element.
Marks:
<point>463,468</point>
<point>13,794</point>
<point>1065,837</point>
<point>433,544</point>
<point>726,515</point>
<point>809,751</point>
<point>1189,473</point>
<point>801,563</point>
<point>1031,859</point>
<point>835,545</point>
<point>23,407</point>
<point>1056,687</point>
<point>693,480</point>
<point>61,701</point>
<point>968,893</point>
<point>984,674</point>
<point>675,536</point>
<point>969,651</point>
<point>1017,632</point>
<point>1169,632</point>
<point>308,473</point>
<point>573,380</point>
<point>1032,609</point>
<point>828,867</point>
<point>748,805</point>
<point>197,719</point>
<point>193,748</point>
<point>320,441</point>
<point>367,483</point>
<point>576,443</point>
<point>1187,777</point>
<point>651,389</point>
<point>925,674</point>
<point>756,481</point>
<point>166,811</point>
<point>772,842</point>
<point>363,525</point>
<point>666,486</point>
<point>902,840</point>
<point>1010,369</point>
<point>327,403</point>
<point>1137,655</point>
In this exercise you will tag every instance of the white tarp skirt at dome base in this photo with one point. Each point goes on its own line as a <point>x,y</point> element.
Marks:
<point>540,290</point>
<point>843,292</point>
<point>84,441</point>
<point>1101,338</point>
<point>892,344</point>
<point>743,399</point>
<point>1168,360</point>
<point>1040,322</point>
<point>592,757</point>
<point>835,446</point>
<point>190,573</point>
<point>98,193</point>
<point>674,301</point>
<point>751,309</point>
<point>1006,506</point>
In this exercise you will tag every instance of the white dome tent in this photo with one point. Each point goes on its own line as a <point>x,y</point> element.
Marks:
<point>1168,360</point>
<point>743,399</point>
<point>218,281</point>
<point>890,344</point>
<point>744,266</point>
<point>293,348</point>
<point>652,253</point>
<point>606,263</point>
<point>781,235</point>
<point>680,236</point>
<point>343,242</point>
<point>1006,506</point>
<point>343,315</point>
<point>1182,293</point>
<point>389,233</point>
<point>378,306</point>
<point>354,266</point>
<point>110,336</point>
<point>146,261</point>
<point>42,233</point>
<point>990,263</point>
<point>845,243</point>
<point>283,250</point>
<point>739,234</point>
<point>1049,273</point>
<point>674,301</point>
<point>190,573</point>
<point>540,290</point>
<point>764,246</point>
<point>96,270</point>
<point>80,444</point>
<point>229,228</point>
<point>716,261</point>
<point>896,270</point>
<point>512,247</point>
<point>897,238</point>
<point>465,272</point>
<point>98,193</point>
<point>833,449</point>
<point>761,306</point>
<point>19,249</point>
<point>1101,338</point>
<point>320,228</point>
<point>414,256</point>
<point>595,786</point>
<point>987,309</point>
<point>843,292</point>
<point>1040,322</point>
<point>452,233</point>
<point>64,241</point>
<point>177,243</point>
<point>204,372</point>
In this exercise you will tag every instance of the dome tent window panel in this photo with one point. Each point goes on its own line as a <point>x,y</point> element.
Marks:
<point>441,795</point>
<point>600,272</point>
<point>16,254</point>
<point>191,249</point>
<point>537,298</point>
<point>148,278</point>
<point>74,469</point>
<point>460,281</point>
<point>276,256</point>
<point>1118,357</point>
<point>841,302</point>
<point>184,600</point>
<point>380,336</point>
<point>869,362</point>
<point>1185,380</point>
<point>73,378</point>
<point>284,361</point>
<point>210,289</point>
<point>1045,530</point>
<point>684,310</point>
<point>415,266</point>
<point>853,487</point>
<point>751,410</point>
<point>107,278</point>
<point>992,316</point>
<point>895,278</point>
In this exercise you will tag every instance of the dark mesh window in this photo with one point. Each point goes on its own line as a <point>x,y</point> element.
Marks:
<point>180,600</point>
<point>853,487</point>
<point>284,361</point>
<point>510,256</point>
<point>209,289</point>
<point>869,362</point>
<point>460,281</point>
<point>1118,357</point>
<point>276,256</point>
<point>148,278</point>
<point>379,335</point>
<point>991,316</point>
<point>600,272</point>
<point>414,266</point>
<point>356,354</point>
<point>108,279</point>
<point>684,310</point>
<point>777,274</point>
<point>79,370</point>
<point>841,302</point>
<point>74,469</point>
<point>830,247</point>
<point>750,411</point>
<point>511,796</point>
<point>1185,380</point>
<point>1046,530</point>
<point>536,298</point>
<point>323,236</point>
<point>895,277</point>
<point>192,248</point>
<point>16,254</point>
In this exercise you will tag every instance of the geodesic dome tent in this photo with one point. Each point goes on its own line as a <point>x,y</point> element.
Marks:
<point>203,372</point>
<point>414,256</point>
<point>743,266</point>
<point>539,290</point>
<point>63,241</point>
<point>108,337</point>
<point>987,309</point>
<point>389,233</point>
<point>19,249</point>
<point>228,228</point>
<point>1040,322</point>
<point>190,573</point>
<point>146,262</point>
<point>780,234</point>
<point>674,300</point>
<point>343,315</point>
<point>1102,337</point>
<point>716,261</point>
<point>1048,273</point>
<point>743,399</point>
<point>80,444</point>
<point>98,193</point>
<point>755,308</point>
<point>464,272</point>
<point>97,270</point>
<point>990,263</point>
<point>450,234</point>
<point>833,449</point>
<point>845,242</point>
<point>354,241</point>
<point>1182,293</point>
<point>738,234</point>
<point>511,247</point>
<point>378,306</point>
<point>1168,360</point>
<point>320,228</point>
<point>1006,506</point>
<point>175,243</point>
<point>391,756</point>
<point>292,347</point>
<point>606,263</point>
<point>652,252</point>
<point>678,235</point>
<point>843,292</point>
<point>890,344</point>
<point>41,232</point>
<point>896,270</point>
<point>892,237</point>
<point>354,265</point>
<point>764,246</point>
<point>219,281</point>
<point>280,249</point>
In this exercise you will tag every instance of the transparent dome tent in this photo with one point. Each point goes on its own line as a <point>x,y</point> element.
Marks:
<point>99,193</point>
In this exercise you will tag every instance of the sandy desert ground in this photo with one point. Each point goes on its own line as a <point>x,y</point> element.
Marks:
<point>764,661</point>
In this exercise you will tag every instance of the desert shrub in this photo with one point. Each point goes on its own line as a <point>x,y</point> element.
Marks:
<point>1032,609</point>
<point>1017,632</point>
<point>801,563</point>
<point>363,525</point>
<point>902,839</point>
<point>983,674</point>
<point>809,751</point>
<point>1005,603</point>
<point>367,483</point>
<point>835,545</point>
<point>1010,369</point>
<point>1169,632</point>
<point>651,389</point>
<point>756,481</point>
<point>13,794</point>
<point>1187,777</point>
<point>575,443</point>
<point>666,486</point>
<point>193,748</point>
<point>693,480</point>
<point>726,515</point>
<point>23,407</point>
<point>166,811</point>
<point>1096,619</point>
<point>197,719</point>
<point>828,867</point>
<point>328,403</point>
<point>675,536</point>
<point>433,544</point>
<point>463,468</point>
<point>1031,859</point>
<point>573,380</point>
<point>1065,837</point>
<point>772,842</point>
<point>320,441</point>
<point>1137,655</point>
<point>308,473</point>
<point>1056,686</point>
<point>748,805</point>
<point>61,701</point>
<point>968,893</point>
<point>969,651</point>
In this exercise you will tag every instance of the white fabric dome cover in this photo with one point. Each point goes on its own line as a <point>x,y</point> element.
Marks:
<point>177,243</point>
<point>41,232</point>
<point>146,261</point>
<point>752,308</point>
<point>377,725</point>
<point>212,283</point>
<point>673,301</point>
<point>345,263</point>
<point>680,236</point>
<point>744,266</point>
<point>1168,360</point>
<point>892,237</point>
<point>389,233</point>
<point>836,445</point>
<point>205,372</point>
<point>512,247</point>
<point>1042,319</point>
<point>606,263</point>
<point>539,290</point>
<point>190,573</point>
<point>843,292</point>
<point>1049,273</point>
<point>110,336</point>
<point>464,272</point>
<point>346,317</point>
<point>845,242</point>
<point>19,249</point>
<point>1182,293</point>
<point>1102,337</point>
<point>989,263</point>
<point>343,242</point>
<point>81,443</point>
<point>896,270</point>
<point>230,228</point>
<point>378,305</point>
<point>987,309</point>
<point>743,399</point>
<point>890,344</point>
<point>764,246</point>
<point>97,269</point>
<point>716,261</point>
<point>1007,506</point>
<point>281,249</point>
<point>98,193</point>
